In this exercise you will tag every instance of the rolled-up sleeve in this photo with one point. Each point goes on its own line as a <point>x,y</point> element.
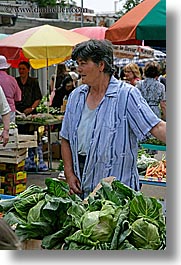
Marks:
<point>141,118</point>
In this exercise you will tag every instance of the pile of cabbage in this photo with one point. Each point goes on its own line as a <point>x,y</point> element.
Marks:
<point>115,218</point>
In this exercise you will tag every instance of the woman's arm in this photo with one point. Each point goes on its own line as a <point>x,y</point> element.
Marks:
<point>72,180</point>
<point>159,131</point>
<point>29,110</point>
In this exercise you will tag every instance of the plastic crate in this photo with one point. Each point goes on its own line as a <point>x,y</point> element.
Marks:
<point>6,197</point>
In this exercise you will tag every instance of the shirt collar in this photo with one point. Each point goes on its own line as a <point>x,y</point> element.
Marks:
<point>111,90</point>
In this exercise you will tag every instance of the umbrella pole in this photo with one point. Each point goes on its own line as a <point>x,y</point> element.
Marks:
<point>48,93</point>
<point>48,125</point>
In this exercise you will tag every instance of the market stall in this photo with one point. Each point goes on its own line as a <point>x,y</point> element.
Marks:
<point>42,119</point>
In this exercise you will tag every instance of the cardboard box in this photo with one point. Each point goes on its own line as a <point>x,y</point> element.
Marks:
<point>13,190</point>
<point>16,177</point>
<point>53,137</point>
<point>10,167</point>
<point>56,151</point>
<point>13,183</point>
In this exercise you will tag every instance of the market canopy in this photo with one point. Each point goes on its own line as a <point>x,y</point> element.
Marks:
<point>43,45</point>
<point>97,32</point>
<point>146,21</point>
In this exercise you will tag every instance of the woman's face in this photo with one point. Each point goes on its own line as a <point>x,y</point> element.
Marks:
<point>23,70</point>
<point>89,71</point>
<point>129,75</point>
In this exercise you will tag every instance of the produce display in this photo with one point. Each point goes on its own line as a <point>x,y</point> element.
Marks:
<point>115,217</point>
<point>39,117</point>
<point>150,167</point>
<point>43,108</point>
<point>144,160</point>
<point>157,170</point>
<point>44,114</point>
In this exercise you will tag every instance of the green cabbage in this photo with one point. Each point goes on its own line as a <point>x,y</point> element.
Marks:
<point>100,225</point>
<point>145,235</point>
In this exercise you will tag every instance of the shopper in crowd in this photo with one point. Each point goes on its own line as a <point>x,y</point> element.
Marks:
<point>162,77</point>
<point>132,73</point>
<point>103,121</point>
<point>56,79</point>
<point>122,75</point>
<point>116,73</point>
<point>64,90</point>
<point>4,117</point>
<point>31,97</point>
<point>9,86</point>
<point>151,89</point>
<point>73,73</point>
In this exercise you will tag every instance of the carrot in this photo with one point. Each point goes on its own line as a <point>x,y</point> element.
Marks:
<point>160,166</point>
<point>149,170</point>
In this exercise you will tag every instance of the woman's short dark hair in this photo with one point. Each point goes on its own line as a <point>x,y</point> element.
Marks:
<point>97,51</point>
<point>152,69</point>
<point>27,64</point>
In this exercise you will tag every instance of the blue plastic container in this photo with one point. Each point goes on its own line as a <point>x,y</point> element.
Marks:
<point>6,197</point>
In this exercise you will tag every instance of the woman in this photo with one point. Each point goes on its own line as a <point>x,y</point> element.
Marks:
<point>31,93</point>
<point>103,121</point>
<point>152,90</point>
<point>31,97</point>
<point>65,89</point>
<point>132,73</point>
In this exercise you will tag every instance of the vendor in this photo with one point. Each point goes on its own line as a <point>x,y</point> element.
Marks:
<point>31,97</point>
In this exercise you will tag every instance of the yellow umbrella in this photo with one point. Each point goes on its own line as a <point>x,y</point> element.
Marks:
<point>44,45</point>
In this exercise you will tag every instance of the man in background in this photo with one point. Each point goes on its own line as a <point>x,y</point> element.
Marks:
<point>9,86</point>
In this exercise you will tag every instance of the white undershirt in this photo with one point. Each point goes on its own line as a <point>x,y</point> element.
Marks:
<point>85,129</point>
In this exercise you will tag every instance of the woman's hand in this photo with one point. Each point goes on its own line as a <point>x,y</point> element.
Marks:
<point>28,111</point>
<point>5,137</point>
<point>74,184</point>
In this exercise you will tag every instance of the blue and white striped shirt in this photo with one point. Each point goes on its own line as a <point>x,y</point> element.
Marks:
<point>122,117</point>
